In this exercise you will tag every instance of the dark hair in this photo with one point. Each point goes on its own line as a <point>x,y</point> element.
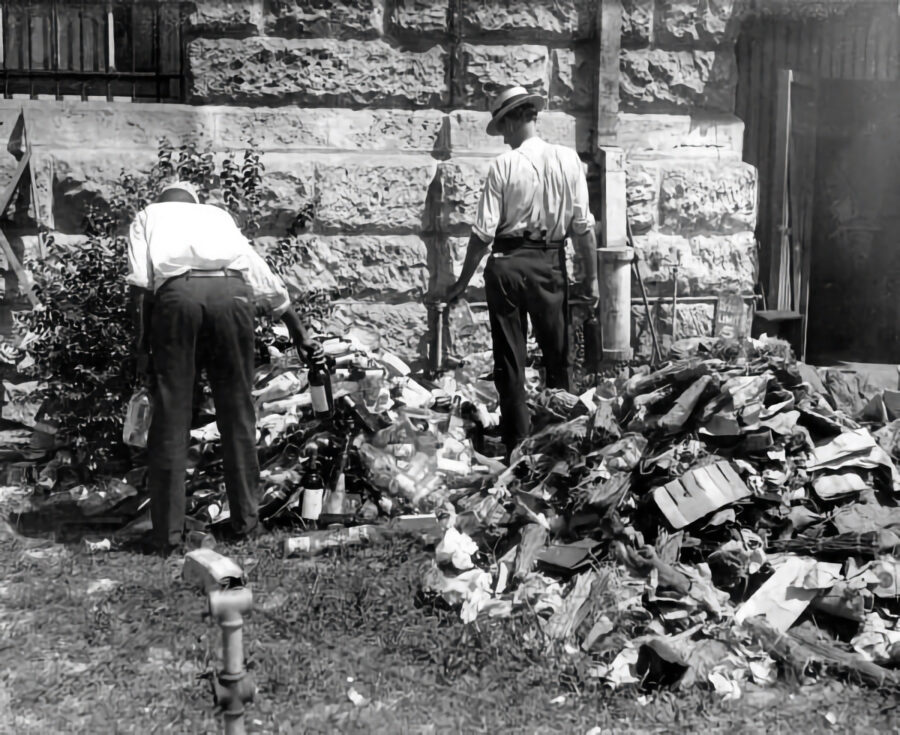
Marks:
<point>176,195</point>
<point>524,113</point>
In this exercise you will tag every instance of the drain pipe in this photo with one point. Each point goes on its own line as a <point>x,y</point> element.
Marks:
<point>614,262</point>
<point>234,687</point>
<point>229,600</point>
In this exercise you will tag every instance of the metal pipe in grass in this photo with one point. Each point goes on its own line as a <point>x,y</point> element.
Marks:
<point>234,687</point>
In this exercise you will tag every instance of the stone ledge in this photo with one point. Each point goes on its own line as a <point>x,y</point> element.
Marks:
<point>466,131</point>
<point>294,128</point>
<point>316,72</point>
<point>711,135</point>
<point>77,124</point>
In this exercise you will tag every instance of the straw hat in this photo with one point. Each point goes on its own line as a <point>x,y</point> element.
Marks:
<point>510,99</point>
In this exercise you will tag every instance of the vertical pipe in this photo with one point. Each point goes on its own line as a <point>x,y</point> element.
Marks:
<point>614,258</point>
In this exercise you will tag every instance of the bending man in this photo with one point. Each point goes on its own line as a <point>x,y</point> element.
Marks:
<point>196,284</point>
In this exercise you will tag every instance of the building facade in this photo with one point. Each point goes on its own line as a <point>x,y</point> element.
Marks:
<point>370,117</point>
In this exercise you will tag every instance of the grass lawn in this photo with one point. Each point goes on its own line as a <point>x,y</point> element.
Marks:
<point>116,642</point>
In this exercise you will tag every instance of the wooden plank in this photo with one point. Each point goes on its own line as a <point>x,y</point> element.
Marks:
<point>21,273</point>
<point>777,298</point>
<point>608,36</point>
<point>9,190</point>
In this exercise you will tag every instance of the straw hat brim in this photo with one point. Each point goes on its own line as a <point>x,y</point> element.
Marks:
<point>533,99</point>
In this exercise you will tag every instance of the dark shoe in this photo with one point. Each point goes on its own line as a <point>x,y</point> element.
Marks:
<point>227,534</point>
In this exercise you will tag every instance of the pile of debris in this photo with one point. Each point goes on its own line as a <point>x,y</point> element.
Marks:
<point>695,523</point>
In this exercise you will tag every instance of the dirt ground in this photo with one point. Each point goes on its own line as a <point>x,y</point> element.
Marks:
<point>116,642</point>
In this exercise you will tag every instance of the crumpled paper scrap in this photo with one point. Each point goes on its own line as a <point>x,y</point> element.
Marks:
<point>456,548</point>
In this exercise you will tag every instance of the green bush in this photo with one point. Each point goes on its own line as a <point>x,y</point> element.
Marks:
<point>84,345</point>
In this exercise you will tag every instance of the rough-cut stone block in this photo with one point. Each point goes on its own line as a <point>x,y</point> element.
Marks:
<point>70,180</point>
<point>707,196</point>
<point>297,128</point>
<point>466,132</point>
<point>360,265</point>
<point>64,124</point>
<point>461,182</point>
<point>642,192</point>
<point>366,194</point>
<point>288,194</point>
<point>419,17</point>
<point>715,135</point>
<point>572,82</point>
<point>694,320</point>
<point>334,19</point>
<point>226,16</point>
<point>402,328</point>
<point>637,22</point>
<point>708,264</point>
<point>281,71</point>
<point>488,69</point>
<point>543,20</point>
<point>666,80</point>
<point>694,22</point>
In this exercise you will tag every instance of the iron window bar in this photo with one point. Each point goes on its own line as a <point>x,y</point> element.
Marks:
<point>114,41</point>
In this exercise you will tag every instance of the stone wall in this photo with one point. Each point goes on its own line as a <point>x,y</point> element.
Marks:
<point>371,113</point>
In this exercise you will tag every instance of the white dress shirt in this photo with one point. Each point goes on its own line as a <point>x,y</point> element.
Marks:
<point>168,239</point>
<point>536,187</point>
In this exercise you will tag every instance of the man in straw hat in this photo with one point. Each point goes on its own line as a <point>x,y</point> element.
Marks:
<point>196,284</point>
<point>535,197</point>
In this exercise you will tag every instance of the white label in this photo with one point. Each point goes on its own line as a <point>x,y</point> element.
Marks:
<point>312,503</point>
<point>319,398</point>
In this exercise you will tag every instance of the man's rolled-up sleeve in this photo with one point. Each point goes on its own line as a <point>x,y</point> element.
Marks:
<point>490,206</point>
<point>269,292</point>
<point>582,219</point>
<point>140,272</point>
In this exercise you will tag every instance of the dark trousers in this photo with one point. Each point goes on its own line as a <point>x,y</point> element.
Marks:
<point>202,322</point>
<point>526,282</point>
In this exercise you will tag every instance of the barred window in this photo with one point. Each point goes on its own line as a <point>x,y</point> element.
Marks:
<point>64,48</point>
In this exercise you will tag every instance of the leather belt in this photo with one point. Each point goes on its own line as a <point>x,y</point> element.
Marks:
<point>218,273</point>
<point>509,244</point>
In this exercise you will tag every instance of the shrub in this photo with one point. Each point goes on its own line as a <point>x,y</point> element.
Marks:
<point>84,345</point>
